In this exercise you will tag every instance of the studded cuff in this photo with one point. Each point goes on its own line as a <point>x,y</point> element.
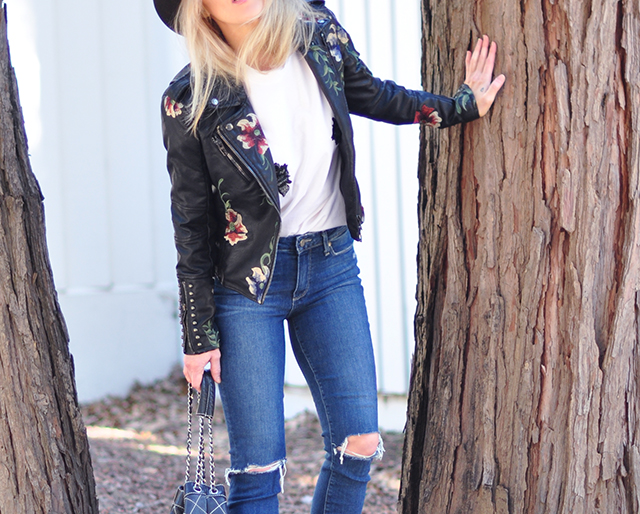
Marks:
<point>199,331</point>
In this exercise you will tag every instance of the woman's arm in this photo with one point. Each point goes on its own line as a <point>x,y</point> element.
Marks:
<point>384,100</point>
<point>194,223</point>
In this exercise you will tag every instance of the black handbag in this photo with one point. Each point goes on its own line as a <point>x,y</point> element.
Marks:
<point>195,496</point>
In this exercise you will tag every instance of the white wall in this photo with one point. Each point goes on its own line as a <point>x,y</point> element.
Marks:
<point>91,75</point>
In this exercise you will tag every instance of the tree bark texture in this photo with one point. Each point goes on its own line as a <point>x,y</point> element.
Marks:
<point>525,386</point>
<point>45,465</point>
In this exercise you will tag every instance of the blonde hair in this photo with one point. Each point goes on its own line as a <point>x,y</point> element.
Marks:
<point>283,26</point>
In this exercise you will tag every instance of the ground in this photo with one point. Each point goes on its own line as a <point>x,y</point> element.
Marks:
<point>138,453</point>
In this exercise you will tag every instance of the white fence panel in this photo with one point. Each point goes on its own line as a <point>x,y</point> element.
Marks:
<point>97,152</point>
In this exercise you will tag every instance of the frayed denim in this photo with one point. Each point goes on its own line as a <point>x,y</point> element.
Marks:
<point>315,288</point>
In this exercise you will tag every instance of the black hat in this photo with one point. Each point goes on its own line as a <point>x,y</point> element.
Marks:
<point>167,10</point>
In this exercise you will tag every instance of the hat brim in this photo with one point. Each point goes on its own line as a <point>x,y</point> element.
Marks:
<point>167,10</point>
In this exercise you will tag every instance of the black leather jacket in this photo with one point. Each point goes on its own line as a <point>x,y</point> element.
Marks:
<point>225,197</point>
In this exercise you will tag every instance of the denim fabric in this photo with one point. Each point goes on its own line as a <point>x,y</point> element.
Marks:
<point>317,289</point>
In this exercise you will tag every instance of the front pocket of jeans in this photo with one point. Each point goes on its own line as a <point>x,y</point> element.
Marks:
<point>342,243</point>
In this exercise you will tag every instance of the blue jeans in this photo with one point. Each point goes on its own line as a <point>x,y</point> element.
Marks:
<point>316,288</point>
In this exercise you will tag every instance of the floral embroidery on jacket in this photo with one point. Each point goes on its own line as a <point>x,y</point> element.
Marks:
<point>427,115</point>
<point>335,36</point>
<point>258,281</point>
<point>252,134</point>
<point>259,277</point>
<point>464,99</point>
<point>318,54</point>
<point>172,108</point>
<point>213,336</point>
<point>235,231</point>
<point>333,44</point>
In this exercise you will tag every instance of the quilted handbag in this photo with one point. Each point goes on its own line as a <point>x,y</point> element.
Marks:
<point>195,496</point>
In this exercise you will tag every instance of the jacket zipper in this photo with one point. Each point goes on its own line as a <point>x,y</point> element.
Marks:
<point>239,159</point>
<point>223,149</point>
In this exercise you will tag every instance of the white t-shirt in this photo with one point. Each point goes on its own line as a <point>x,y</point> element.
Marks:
<point>297,122</point>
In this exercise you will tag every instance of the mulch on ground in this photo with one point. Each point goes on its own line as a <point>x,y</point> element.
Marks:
<point>138,452</point>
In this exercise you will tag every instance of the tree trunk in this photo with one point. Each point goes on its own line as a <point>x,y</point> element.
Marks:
<point>525,387</point>
<point>45,465</point>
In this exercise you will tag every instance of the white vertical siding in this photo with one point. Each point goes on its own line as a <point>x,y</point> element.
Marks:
<point>387,34</point>
<point>100,163</point>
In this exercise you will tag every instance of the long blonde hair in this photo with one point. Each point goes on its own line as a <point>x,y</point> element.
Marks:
<point>283,27</point>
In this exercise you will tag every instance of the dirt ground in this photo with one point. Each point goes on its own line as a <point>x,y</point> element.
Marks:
<point>138,453</point>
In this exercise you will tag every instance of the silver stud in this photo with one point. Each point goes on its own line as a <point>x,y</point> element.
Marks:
<point>197,337</point>
<point>193,315</point>
<point>193,308</point>
<point>191,301</point>
<point>190,285</point>
<point>190,293</point>
<point>214,101</point>
<point>195,323</point>
<point>195,329</point>
<point>229,126</point>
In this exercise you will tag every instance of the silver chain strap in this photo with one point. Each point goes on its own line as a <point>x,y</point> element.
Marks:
<point>189,431</point>
<point>212,467</point>
<point>200,463</point>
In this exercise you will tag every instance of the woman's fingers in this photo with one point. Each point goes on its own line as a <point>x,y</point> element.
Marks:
<point>215,367</point>
<point>479,74</point>
<point>494,87</point>
<point>484,50</point>
<point>472,63</point>
<point>194,367</point>
<point>487,69</point>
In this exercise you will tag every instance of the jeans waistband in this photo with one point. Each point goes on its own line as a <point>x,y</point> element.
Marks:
<point>304,242</point>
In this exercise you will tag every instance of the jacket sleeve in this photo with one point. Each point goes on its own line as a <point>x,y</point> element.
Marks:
<point>384,100</point>
<point>191,212</point>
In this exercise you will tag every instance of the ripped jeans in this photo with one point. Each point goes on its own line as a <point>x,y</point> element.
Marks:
<point>316,288</point>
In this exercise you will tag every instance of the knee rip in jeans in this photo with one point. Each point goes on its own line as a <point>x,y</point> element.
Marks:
<point>279,465</point>
<point>343,450</point>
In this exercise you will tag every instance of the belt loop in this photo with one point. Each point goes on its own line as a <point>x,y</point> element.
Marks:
<point>325,243</point>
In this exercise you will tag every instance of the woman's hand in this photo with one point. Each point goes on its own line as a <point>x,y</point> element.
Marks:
<point>479,71</point>
<point>194,367</point>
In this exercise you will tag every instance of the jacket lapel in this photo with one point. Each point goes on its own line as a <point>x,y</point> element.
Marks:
<point>241,131</point>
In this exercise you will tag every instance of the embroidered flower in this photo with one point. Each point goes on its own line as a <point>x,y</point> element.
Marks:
<point>172,108</point>
<point>235,230</point>
<point>342,35</point>
<point>332,43</point>
<point>252,134</point>
<point>427,115</point>
<point>258,280</point>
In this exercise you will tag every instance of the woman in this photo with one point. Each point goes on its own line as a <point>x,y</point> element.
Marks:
<point>265,207</point>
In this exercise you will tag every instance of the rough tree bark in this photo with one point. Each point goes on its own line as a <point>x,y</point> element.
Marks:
<point>45,465</point>
<point>525,385</point>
